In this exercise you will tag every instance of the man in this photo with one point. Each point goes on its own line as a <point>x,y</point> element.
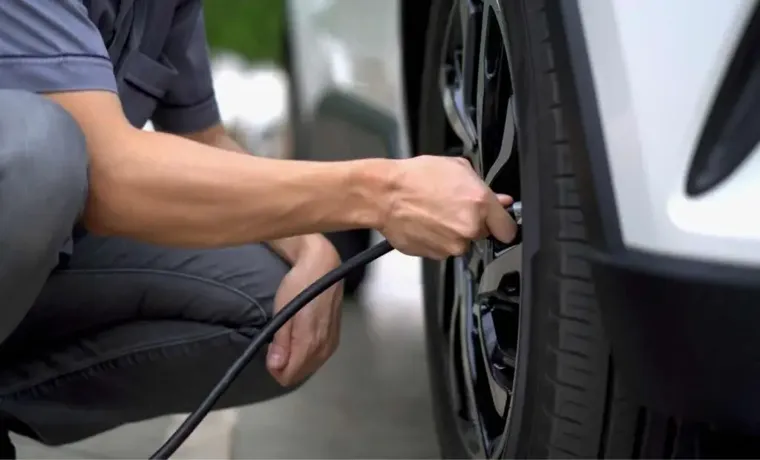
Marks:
<point>135,265</point>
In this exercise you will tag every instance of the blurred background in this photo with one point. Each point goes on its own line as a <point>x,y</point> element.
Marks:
<point>371,399</point>
<point>254,30</point>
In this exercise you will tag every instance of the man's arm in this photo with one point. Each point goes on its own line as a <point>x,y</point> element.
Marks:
<point>289,248</point>
<point>165,189</point>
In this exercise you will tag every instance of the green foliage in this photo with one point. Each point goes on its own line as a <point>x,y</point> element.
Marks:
<point>253,28</point>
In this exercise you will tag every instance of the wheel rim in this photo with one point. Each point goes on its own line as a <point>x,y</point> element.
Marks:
<point>479,313</point>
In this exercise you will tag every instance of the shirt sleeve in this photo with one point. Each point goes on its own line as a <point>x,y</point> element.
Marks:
<point>190,105</point>
<point>52,46</point>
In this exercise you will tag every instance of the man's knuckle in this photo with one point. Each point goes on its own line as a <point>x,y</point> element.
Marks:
<point>481,198</point>
<point>457,248</point>
<point>471,231</point>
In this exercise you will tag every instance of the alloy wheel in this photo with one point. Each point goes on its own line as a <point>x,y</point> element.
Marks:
<point>479,306</point>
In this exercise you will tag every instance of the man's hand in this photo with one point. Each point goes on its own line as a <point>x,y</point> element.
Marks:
<point>439,205</point>
<point>305,342</point>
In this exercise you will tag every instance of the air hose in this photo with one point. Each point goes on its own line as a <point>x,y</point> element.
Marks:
<point>267,332</point>
<point>265,336</point>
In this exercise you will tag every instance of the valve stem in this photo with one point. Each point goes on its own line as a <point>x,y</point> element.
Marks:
<point>515,209</point>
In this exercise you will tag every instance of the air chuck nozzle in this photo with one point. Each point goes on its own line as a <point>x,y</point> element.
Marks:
<point>515,209</point>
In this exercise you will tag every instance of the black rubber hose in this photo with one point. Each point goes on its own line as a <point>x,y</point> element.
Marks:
<point>265,336</point>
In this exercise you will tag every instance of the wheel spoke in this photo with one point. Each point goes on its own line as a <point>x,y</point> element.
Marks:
<point>507,145</point>
<point>470,14</point>
<point>481,93</point>
<point>456,113</point>
<point>458,75</point>
<point>476,257</point>
<point>454,341</point>
<point>465,316</point>
<point>466,332</point>
<point>459,369</point>
<point>487,367</point>
<point>494,274</point>
<point>488,346</point>
<point>495,114</point>
<point>455,367</point>
<point>499,289</point>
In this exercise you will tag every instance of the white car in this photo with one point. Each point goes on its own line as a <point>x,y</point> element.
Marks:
<point>625,321</point>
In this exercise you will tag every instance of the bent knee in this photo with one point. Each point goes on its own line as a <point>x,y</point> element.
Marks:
<point>43,155</point>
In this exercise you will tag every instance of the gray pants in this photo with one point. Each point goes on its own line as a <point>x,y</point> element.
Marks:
<point>116,331</point>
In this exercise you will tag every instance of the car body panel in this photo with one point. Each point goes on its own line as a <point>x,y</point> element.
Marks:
<point>656,68</point>
<point>347,79</point>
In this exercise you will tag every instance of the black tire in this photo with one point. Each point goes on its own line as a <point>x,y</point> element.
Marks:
<point>568,401</point>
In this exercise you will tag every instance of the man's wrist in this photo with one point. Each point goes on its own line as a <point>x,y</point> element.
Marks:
<point>317,251</point>
<point>371,188</point>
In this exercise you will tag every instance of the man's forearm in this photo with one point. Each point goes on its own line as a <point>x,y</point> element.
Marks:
<point>169,190</point>
<point>290,248</point>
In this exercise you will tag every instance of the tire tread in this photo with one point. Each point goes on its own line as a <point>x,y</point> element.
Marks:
<point>580,416</point>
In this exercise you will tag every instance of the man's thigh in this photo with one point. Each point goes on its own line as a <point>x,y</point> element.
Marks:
<point>110,281</point>
<point>129,331</point>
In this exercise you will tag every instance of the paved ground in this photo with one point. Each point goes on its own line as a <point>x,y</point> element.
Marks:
<point>370,401</point>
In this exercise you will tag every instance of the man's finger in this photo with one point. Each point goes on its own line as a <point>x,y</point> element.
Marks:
<point>297,366</point>
<point>504,200</point>
<point>499,222</point>
<point>279,349</point>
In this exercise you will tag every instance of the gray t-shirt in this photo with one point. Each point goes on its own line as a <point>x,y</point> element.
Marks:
<point>153,53</point>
